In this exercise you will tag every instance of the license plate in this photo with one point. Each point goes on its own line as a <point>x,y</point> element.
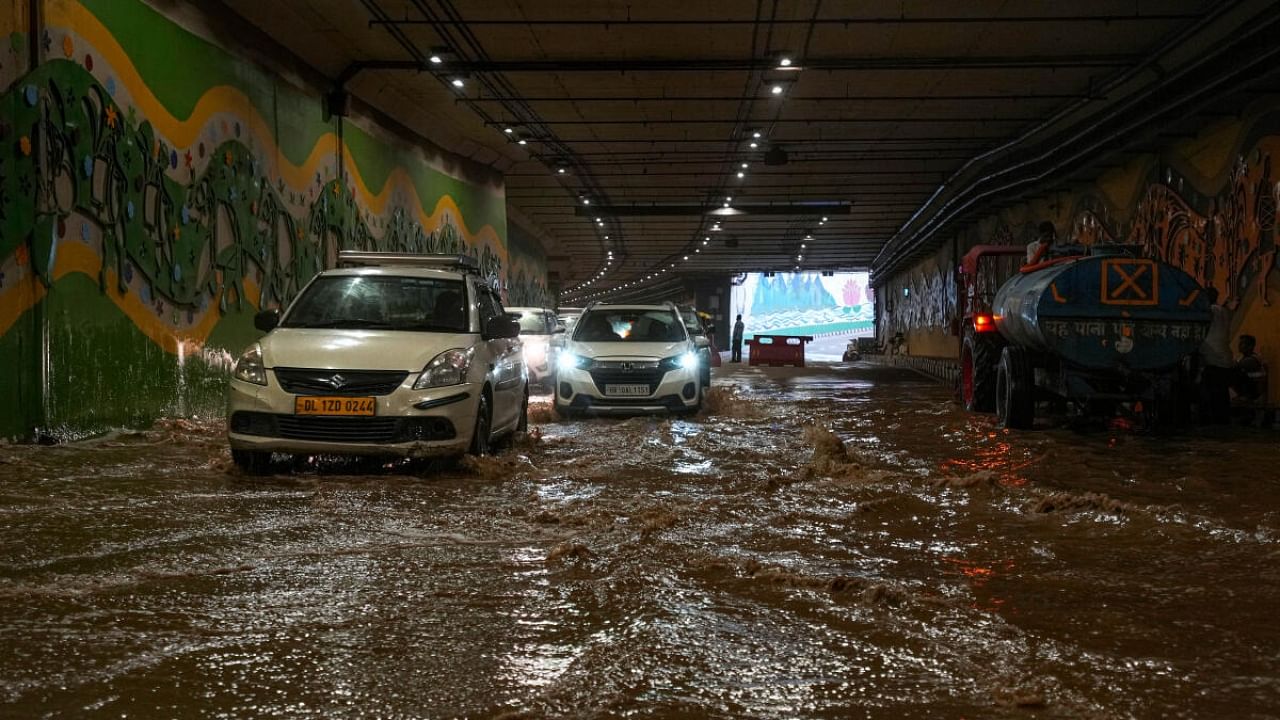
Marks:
<point>319,405</point>
<point>627,390</point>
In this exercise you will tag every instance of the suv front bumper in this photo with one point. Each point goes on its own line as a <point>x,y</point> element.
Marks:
<point>672,390</point>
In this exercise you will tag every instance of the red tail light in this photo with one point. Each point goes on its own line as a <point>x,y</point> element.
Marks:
<point>983,323</point>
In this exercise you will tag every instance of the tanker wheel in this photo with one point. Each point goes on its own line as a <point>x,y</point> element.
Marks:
<point>1015,391</point>
<point>978,361</point>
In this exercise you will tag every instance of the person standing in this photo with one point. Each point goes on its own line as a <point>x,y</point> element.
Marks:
<point>738,329</point>
<point>1217,365</point>
<point>1249,376</point>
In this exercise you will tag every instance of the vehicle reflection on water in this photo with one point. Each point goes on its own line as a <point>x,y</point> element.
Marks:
<point>835,542</point>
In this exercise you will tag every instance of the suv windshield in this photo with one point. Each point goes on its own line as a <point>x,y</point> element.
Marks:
<point>381,302</point>
<point>629,325</point>
<point>692,321</point>
<point>532,323</point>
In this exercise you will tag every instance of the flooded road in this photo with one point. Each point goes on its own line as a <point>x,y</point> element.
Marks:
<point>840,542</point>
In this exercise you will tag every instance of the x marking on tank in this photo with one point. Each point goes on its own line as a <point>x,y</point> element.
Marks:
<point>1129,281</point>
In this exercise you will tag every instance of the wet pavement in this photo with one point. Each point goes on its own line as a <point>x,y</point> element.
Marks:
<point>840,542</point>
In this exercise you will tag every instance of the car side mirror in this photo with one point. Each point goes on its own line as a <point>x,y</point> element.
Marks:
<point>267,320</point>
<point>701,342</point>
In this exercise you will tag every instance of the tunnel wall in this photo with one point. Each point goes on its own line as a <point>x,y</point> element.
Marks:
<point>157,188</point>
<point>1207,204</point>
<point>527,275</point>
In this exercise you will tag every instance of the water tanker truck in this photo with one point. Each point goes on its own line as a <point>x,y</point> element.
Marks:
<point>1099,330</point>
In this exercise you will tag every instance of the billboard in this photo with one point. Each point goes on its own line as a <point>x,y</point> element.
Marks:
<point>805,303</point>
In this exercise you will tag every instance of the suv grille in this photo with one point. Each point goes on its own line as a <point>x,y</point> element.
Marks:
<point>648,376</point>
<point>300,381</point>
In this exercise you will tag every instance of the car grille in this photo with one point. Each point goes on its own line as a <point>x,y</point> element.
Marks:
<point>647,376</point>
<point>343,429</point>
<point>301,381</point>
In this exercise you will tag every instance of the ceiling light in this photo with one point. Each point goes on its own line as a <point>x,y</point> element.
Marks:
<point>784,61</point>
<point>704,242</point>
<point>756,134</point>
<point>458,82</point>
<point>741,175</point>
<point>586,201</point>
<point>754,145</point>
<point>697,250</point>
<point>561,171</point>
<point>522,141</point>
<point>686,257</point>
<point>744,166</point>
<point>508,130</point>
<point>803,246</point>
<point>597,219</point>
<point>824,218</point>
<point>728,198</point>
<point>777,90</point>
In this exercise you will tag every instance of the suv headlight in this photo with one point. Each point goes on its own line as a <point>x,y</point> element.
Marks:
<point>249,367</point>
<point>686,361</point>
<point>448,368</point>
<point>569,361</point>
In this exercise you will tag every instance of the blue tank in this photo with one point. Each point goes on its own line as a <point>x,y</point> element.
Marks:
<point>1108,310</point>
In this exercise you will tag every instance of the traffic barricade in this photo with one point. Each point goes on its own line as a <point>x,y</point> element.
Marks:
<point>777,350</point>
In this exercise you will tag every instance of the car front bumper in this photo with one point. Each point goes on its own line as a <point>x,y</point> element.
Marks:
<point>674,390</point>
<point>406,423</point>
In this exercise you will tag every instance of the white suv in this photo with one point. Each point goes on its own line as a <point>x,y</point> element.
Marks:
<point>627,358</point>
<point>402,355</point>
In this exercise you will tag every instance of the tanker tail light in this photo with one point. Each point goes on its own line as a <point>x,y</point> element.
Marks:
<point>984,323</point>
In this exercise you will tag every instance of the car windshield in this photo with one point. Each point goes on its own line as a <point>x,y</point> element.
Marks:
<point>531,323</point>
<point>691,321</point>
<point>381,302</point>
<point>629,325</point>
<point>568,321</point>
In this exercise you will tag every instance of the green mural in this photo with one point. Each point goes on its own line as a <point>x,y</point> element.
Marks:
<point>120,242</point>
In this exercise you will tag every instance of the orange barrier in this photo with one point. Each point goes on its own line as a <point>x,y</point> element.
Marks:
<point>777,350</point>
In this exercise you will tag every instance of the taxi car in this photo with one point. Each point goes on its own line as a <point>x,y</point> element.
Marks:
<point>390,354</point>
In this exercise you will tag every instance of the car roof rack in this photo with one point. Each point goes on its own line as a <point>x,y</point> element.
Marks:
<point>357,258</point>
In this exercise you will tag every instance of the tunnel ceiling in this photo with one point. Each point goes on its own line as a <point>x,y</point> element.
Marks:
<point>649,111</point>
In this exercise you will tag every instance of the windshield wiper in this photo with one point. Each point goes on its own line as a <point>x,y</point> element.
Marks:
<point>348,323</point>
<point>429,327</point>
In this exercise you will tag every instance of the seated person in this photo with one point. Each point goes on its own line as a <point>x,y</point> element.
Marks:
<point>1248,375</point>
<point>449,312</point>
<point>1038,249</point>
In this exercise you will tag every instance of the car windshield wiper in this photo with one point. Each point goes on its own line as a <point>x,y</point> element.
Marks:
<point>350,323</point>
<point>429,327</point>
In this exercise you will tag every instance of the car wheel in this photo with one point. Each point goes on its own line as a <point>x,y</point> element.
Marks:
<point>252,462</point>
<point>480,436</point>
<point>564,412</point>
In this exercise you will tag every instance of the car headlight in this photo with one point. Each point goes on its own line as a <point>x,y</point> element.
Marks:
<point>569,361</point>
<point>448,368</point>
<point>249,367</point>
<point>683,361</point>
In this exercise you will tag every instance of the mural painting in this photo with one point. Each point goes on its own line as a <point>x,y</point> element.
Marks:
<point>804,303</point>
<point>1213,214</point>
<point>146,213</point>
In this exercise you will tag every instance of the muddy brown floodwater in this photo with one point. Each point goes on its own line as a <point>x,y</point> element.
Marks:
<point>840,542</point>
